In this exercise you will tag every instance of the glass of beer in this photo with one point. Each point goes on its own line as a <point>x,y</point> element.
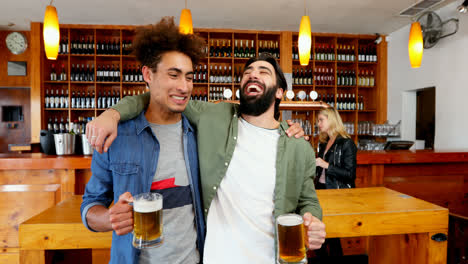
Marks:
<point>291,239</point>
<point>147,220</point>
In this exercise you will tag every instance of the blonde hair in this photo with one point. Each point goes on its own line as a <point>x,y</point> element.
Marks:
<point>335,125</point>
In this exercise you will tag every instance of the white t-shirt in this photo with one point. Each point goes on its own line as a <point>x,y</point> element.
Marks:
<point>240,224</point>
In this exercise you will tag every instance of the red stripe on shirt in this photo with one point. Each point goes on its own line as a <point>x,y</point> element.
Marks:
<point>164,184</point>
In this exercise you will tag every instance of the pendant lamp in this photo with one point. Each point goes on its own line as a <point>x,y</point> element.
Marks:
<point>305,39</point>
<point>185,23</point>
<point>51,32</point>
<point>415,45</point>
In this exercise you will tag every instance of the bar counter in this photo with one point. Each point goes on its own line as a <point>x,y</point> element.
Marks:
<point>40,161</point>
<point>439,176</point>
<point>408,156</point>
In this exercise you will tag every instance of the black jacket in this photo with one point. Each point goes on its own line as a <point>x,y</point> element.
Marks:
<point>341,156</point>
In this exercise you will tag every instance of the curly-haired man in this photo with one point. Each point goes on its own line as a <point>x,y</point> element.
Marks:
<point>157,152</point>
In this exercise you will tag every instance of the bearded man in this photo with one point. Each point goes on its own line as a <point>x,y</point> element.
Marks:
<point>251,171</point>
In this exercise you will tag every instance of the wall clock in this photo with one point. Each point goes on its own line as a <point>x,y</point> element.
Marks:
<point>16,42</point>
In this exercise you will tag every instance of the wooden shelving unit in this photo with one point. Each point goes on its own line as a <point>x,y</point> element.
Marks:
<point>281,43</point>
<point>332,65</point>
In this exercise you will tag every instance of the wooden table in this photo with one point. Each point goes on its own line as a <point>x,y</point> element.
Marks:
<point>400,226</point>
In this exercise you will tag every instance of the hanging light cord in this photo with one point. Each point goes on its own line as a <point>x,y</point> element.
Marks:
<point>185,4</point>
<point>51,2</point>
<point>305,8</point>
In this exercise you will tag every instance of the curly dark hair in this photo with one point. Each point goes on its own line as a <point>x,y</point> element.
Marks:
<point>152,41</point>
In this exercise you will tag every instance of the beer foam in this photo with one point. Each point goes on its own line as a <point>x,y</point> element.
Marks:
<point>144,206</point>
<point>289,220</point>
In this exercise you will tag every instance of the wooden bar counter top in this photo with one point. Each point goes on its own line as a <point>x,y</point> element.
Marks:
<point>40,161</point>
<point>43,161</point>
<point>409,156</point>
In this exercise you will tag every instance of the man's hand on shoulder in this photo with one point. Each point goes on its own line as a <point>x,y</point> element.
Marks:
<point>102,131</point>
<point>296,130</point>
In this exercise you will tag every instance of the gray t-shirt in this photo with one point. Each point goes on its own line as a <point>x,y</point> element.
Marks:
<point>171,180</point>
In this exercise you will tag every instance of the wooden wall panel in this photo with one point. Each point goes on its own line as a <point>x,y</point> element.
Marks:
<point>82,178</point>
<point>9,256</point>
<point>354,245</point>
<point>33,177</point>
<point>405,249</point>
<point>101,256</point>
<point>286,52</point>
<point>5,56</point>
<point>32,257</point>
<point>363,176</point>
<point>396,249</point>
<point>442,184</point>
<point>382,81</point>
<point>36,73</point>
<point>21,134</point>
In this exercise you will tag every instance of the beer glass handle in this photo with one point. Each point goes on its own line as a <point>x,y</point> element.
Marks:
<point>305,236</point>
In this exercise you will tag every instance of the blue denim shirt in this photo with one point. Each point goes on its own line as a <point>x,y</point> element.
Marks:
<point>129,165</point>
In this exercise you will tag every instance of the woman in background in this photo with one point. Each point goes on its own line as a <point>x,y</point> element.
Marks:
<point>336,164</point>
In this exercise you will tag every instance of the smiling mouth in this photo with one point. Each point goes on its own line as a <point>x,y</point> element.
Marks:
<point>253,89</point>
<point>178,98</point>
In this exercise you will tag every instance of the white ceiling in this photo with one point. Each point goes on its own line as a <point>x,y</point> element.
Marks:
<point>337,16</point>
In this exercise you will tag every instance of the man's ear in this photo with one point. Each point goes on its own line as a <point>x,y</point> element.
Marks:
<point>279,93</point>
<point>147,74</point>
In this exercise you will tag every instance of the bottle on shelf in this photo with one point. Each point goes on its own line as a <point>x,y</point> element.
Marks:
<point>131,74</point>
<point>56,99</point>
<point>66,100</point>
<point>62,100</point>
<point>224,51</point>
<point>63,48</point>
<point>252,49</point>
<point>46,99</point>
<point>236,49</point>
<point>229,49</point>
<point>241,50</point>
<point>99,101</point>
<point>361,103</point>
<point>368,56</point>
<point>296,52</point>
<point>63,74</point>
<point>72,46</point>
<point>53,74</point>
<point>61,126</point>
<point>140,74</point>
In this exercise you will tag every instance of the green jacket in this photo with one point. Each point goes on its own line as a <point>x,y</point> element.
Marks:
<point>217,134</point>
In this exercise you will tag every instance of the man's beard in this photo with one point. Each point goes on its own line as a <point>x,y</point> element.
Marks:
<point>255,106</point>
